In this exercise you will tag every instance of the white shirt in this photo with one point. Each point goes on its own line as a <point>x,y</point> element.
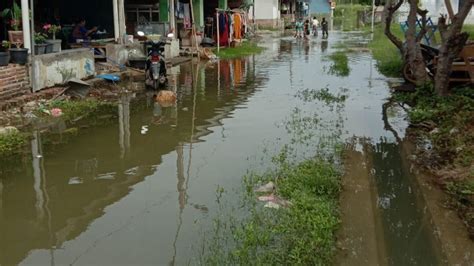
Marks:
<point>315,22</point>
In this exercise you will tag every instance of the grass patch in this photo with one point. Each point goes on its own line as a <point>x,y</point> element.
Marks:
<point>469,29</point>
<point>246,49</point>
<point>12,144</point>
<point>340,66</point>
<point>448,124</point>
<point>302,234</point>
<point>84,109</point>
<point>389,60</point>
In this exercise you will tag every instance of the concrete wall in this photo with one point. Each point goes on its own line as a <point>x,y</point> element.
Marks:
<point>52,69</point>
<point>14,81</point>
<point>266,9</point>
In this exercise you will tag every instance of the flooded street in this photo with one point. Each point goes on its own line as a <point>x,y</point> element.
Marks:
<point>141,188</point>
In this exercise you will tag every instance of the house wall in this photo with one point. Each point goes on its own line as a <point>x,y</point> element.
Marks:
<point>266,9</point>
<point>51,69</point>
<point>435,7</point>
<point>14,81</point>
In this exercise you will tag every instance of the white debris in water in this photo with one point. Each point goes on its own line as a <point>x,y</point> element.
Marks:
<point>144,130</point>
<point>372,171</point>
<point>75,181</point>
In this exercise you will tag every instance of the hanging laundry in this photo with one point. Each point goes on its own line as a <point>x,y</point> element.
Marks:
<point>237,26</point>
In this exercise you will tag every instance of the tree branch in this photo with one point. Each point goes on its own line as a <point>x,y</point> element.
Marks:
<point>388,22</point>
<point>423,30</point>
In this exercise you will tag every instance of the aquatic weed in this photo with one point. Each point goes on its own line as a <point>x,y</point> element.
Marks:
<point>12,144</point>
<point>340,66</point>
<point>245,49</point>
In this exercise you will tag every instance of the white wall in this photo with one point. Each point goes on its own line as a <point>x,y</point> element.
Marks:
<point>266,9</point>
<point>435,8</point>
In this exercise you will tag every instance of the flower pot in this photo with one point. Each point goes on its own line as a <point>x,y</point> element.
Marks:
<point>4,58</point>
<point>19,56</point>
<point>49,48</point>
<point>40,48</point>
<point>56,45</point>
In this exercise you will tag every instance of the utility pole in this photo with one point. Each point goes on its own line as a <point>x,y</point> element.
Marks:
<point>373,16</point>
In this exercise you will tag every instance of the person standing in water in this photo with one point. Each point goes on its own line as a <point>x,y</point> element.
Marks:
<point>299,29</point>
<point>324,25</point>
<point>315,26</point>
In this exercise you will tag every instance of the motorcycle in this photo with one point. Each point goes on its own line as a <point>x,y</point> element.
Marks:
<point>429,54</point>
<point>155,66</point>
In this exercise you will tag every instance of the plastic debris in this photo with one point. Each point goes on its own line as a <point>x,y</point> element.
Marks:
<point>56,112</point>
<point>267,188</point>
<point>267,198</point>
<point>272,205</point>
<point>75,181</point>
<point>144,130</point>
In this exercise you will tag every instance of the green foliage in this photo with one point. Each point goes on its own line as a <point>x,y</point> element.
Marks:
<point>388,57</point>
<point>453,116</point>
<point>340,66</point>
<point>323,95</point>
<point>469,29</point>
<point>84,109</point>
<point>246,49</point>
<point>40,38</point>
<point>346,15</point>
<point>12,144</point>
<point>302,234</point>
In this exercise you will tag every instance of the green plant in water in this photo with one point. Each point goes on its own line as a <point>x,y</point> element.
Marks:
<point>340,66</point>
<point>303,233</point>
<point>245,49</point>
<point>12,143</point>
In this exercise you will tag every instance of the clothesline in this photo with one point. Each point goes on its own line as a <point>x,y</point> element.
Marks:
<point>241,13</point>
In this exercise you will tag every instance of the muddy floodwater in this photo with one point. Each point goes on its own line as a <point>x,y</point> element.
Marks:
<point>140,188</point>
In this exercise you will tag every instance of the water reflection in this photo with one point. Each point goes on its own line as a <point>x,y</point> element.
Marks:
<point>69,185</point>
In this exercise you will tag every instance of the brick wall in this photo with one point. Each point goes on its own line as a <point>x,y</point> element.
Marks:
<point>14,81</point>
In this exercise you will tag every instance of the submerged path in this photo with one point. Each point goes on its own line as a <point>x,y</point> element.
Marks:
<point>141,189</point>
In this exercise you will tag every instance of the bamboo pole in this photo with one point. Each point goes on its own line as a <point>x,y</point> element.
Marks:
<point>193,29</point>
<point>218,32</point>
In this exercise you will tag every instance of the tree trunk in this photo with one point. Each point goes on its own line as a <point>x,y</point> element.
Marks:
<point>413,56</point>
<point>447,53</point>
<point>452,43</point>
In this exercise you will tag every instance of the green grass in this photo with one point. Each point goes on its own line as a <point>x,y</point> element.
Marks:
<point>12,144</point>
<point>340,66</point>
<point>345,16</point>
<point>83,109</point>
<point>388,57</point>
<point>469,29</point>
<point>246,49</point>
<point>302,234</point>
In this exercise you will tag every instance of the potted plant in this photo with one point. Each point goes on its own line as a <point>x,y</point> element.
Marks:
<point>18,55</point>
<point>53,29</point>
<point>12,16</point>
<point>40,43</point>
<point>4,53</point>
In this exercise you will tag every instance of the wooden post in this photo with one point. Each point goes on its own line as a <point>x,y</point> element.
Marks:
<point>218,32</point>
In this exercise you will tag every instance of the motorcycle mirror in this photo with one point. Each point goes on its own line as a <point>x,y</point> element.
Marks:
<point>141,33</point>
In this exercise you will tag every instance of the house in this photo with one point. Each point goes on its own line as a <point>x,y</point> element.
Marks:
<point>435,8</point>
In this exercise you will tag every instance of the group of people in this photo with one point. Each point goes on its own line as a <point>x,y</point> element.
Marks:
<point>306,28</point>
